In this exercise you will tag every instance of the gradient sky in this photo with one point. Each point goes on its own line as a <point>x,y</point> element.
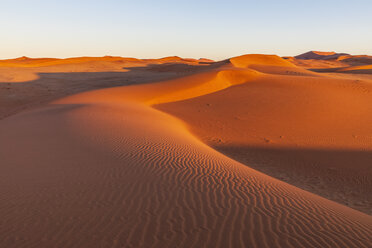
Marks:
<point>194,28</point>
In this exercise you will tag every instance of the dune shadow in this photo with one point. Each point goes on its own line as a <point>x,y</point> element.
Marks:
<point>175,67</point>
<point>344,176</point>
<point>362,71</point>
<point>49,86</point>
<point>325,70</point>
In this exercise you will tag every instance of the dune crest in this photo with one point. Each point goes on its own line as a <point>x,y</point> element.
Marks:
<point>245,61</point>
<point>170,90</point>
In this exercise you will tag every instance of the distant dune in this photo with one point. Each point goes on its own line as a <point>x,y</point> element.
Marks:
<point>320,55</point>
<point>333,62</point>
<point>357,59</point>
<point>115,152</point>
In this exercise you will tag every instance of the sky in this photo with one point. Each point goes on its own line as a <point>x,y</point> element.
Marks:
<point>192,29</point>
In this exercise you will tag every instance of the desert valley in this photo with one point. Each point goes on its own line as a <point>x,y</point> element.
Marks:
<point>252,151</point>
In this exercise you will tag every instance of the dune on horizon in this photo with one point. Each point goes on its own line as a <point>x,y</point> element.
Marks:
<point>253,151</point>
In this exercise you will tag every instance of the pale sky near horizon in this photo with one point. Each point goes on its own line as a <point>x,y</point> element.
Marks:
<point>212,29</point>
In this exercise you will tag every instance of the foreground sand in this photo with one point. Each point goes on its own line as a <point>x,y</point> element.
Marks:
<point>106,169</point>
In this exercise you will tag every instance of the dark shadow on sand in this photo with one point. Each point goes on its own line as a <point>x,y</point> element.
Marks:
<point>344,176</point>
<point>20,96</point>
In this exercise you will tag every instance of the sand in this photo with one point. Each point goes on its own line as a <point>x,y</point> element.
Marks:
<point>104,168</point>
<point>30,83</point>
<point>333,62</point>
<point>318,55</point>
<point>312,132</point>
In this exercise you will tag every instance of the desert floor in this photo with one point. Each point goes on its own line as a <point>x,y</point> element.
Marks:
<point>254,151</point>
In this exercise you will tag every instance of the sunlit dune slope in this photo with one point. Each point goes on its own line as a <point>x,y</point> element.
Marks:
<point>171,90</point>
<point>245,61</point>
<point>171,59</point>
<point>26,69</point>
<point>112,175</point>
<point>271,64</point>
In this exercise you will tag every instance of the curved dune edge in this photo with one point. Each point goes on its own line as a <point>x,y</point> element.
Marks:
<point>168,91</point>
<point>314,133</point>
<point>116,172</point>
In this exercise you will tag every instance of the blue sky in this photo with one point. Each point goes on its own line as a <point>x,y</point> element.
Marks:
<point>213,29</point>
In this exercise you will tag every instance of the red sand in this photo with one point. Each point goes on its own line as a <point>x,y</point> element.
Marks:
<point>105,169</point>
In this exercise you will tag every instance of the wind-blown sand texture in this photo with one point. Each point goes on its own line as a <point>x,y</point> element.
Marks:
<point>104,168</point>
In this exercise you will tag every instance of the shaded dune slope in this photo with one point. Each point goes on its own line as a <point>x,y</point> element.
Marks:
<point>363,69</point>
<point>313,132</point>
<point>112,171</point>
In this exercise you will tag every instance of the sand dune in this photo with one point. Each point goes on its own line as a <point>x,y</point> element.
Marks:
<point>248,60</point>
<point>366,69</point>
<point>320,55</point>
<point>333,62</point>
<point>27,87</point>
<point>272,121</point>
<point>105,169</point>
<point>30,62</point>
<point>43,62</point>
<point>271,64</point>
<point>356,59</point>
<point>170,90</point>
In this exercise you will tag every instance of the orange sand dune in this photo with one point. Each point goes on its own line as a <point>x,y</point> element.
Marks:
<point>30,62</point>
<point>26,69</point>
<point>170,90</point>
<point>318,63</point>
<point>105,169</point>
<point>273,117</point>
<point>245,61</point>
<point>259,121</point>
<point>26,87</point>
<point>270,64</point>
